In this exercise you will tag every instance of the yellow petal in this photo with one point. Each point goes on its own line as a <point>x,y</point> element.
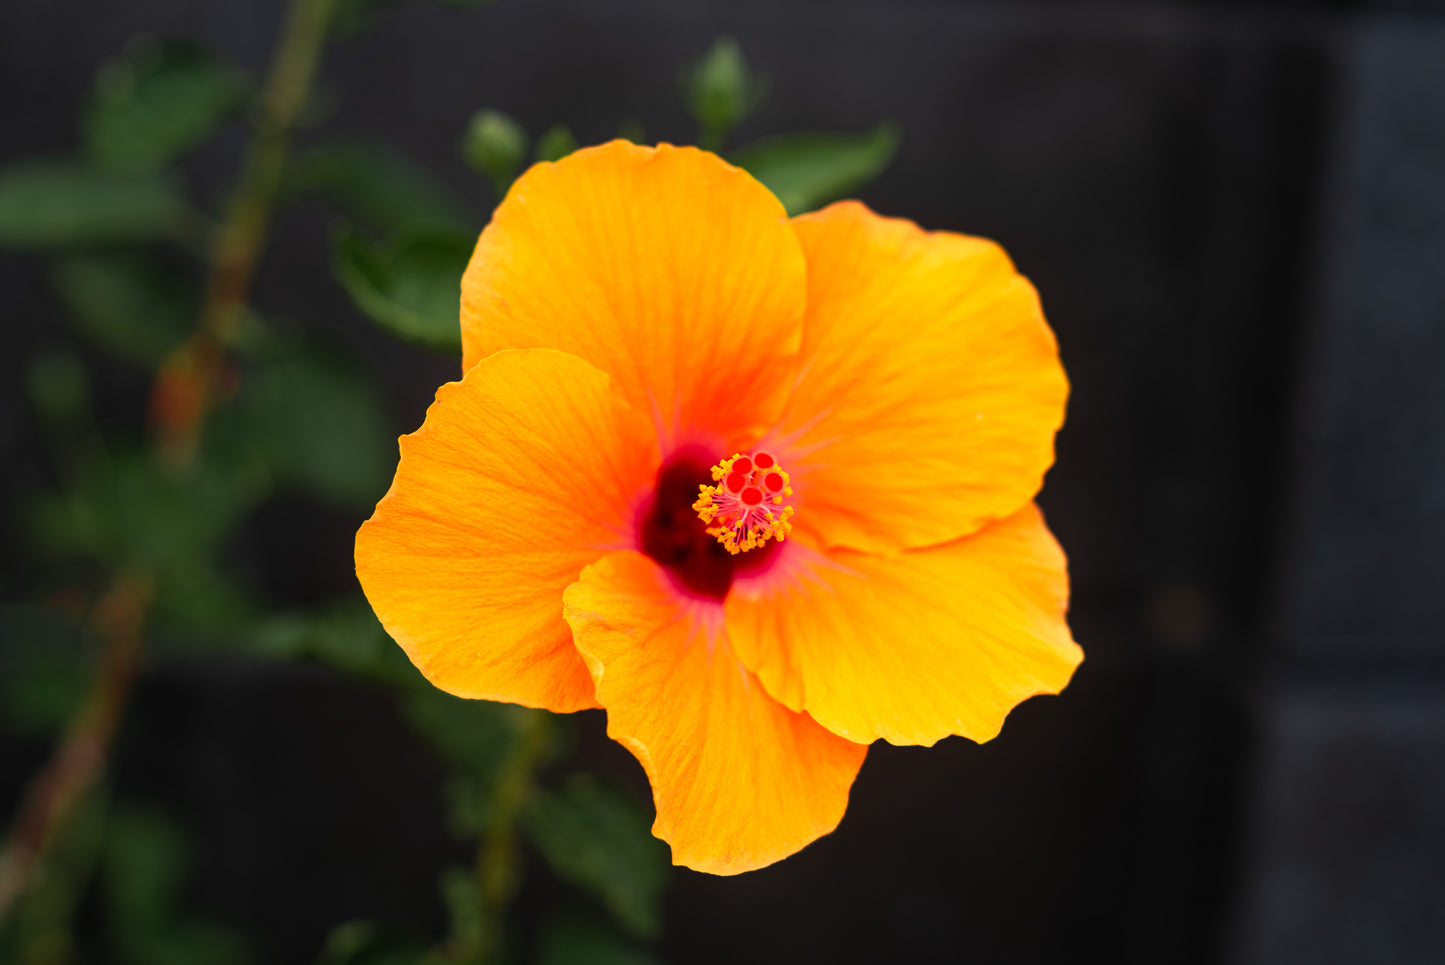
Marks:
<point>930,385</point>
<point>522,474</point>
<point>914,646</point>
<point>667,268</point>
<point>739,780</point>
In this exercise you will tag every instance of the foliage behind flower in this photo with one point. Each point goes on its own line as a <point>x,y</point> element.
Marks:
<point>133,544</point>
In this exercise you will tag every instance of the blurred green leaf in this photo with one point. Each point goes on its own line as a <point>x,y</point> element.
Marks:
<point>145,864</point>
<point>632,130</point>
<point>482,762</point>
<point>582,940</point>
<point>411,286</point>
<point>378,186</point>
<point>46,663</point>
<point>495,145</point>
<point>806,171</point>
<point>556,143</point>
<point>367,943</point>
<point>721,92</point>
<point>353,16</point>
<point>346,636</point>
<point>463,900</point>
<point>127,302</point>
<point>469,809</point>
<point>597,837</point>
<point>319,425</point>
<point>58,387</point>
<point>121,509</point>
<point>47,204</point>
<point>144,876</point>
<point>125,511</point>
<point>474,736</point>
<point>156,101</point>
<point>253,337</point>
<point>476,739</point>
<point>198,605</point>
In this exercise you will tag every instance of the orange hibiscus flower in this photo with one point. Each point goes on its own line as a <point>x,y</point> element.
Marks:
<point>761,488</point>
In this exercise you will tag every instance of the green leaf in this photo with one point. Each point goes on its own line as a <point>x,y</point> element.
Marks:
<point>50,204</point>
<point>127,303</point>
<point>346,636</point>
<point>126,510</point>
<point>631,129</point>
<point>595,836</point>
<point>197,605</point>
<point>378,186</point>
<point>556,143</point>
<point>350,17</point>
<point>473,736</point>
<point>582,940</point>
<point>144,877</point>
<point>806,171</point>
<point>412,286</point>
<point>319,425</point>
<point>58,387</point>
<point>45,667</point>
<point>367,943</point>
<point>468,925</point>
<point>495,145</point>
<point>721,92</point>
<point>145,864</point>
<point>157,101</point>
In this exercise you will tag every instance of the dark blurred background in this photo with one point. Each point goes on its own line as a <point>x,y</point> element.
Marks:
<point>1235,213</point>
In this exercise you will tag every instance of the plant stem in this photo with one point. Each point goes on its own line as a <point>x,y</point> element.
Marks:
<point>76,764</point>
<point>497,864</point>
<point>191,379</point>
<point>184,388</point>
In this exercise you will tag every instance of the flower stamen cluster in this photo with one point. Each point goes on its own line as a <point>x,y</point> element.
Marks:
<point>747,507</point>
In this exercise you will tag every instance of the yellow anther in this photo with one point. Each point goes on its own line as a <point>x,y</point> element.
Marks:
<point>748,505</point>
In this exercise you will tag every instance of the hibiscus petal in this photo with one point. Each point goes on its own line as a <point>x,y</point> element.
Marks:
<point>739,780</point>
<point>913,646</point>
<point>930,385</point>
<point>522,474</point>
<point>669,269</point>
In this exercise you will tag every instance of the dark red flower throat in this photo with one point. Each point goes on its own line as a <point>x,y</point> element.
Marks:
<point>671,534</point>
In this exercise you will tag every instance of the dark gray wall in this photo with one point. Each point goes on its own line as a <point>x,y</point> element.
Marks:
<point>1347,833</point>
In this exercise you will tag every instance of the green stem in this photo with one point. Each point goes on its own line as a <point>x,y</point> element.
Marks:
<point>183,389</point>
<point>248,216</point>
<point>195,372</point>
<point>80,758</point>
<point>497,866</point>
